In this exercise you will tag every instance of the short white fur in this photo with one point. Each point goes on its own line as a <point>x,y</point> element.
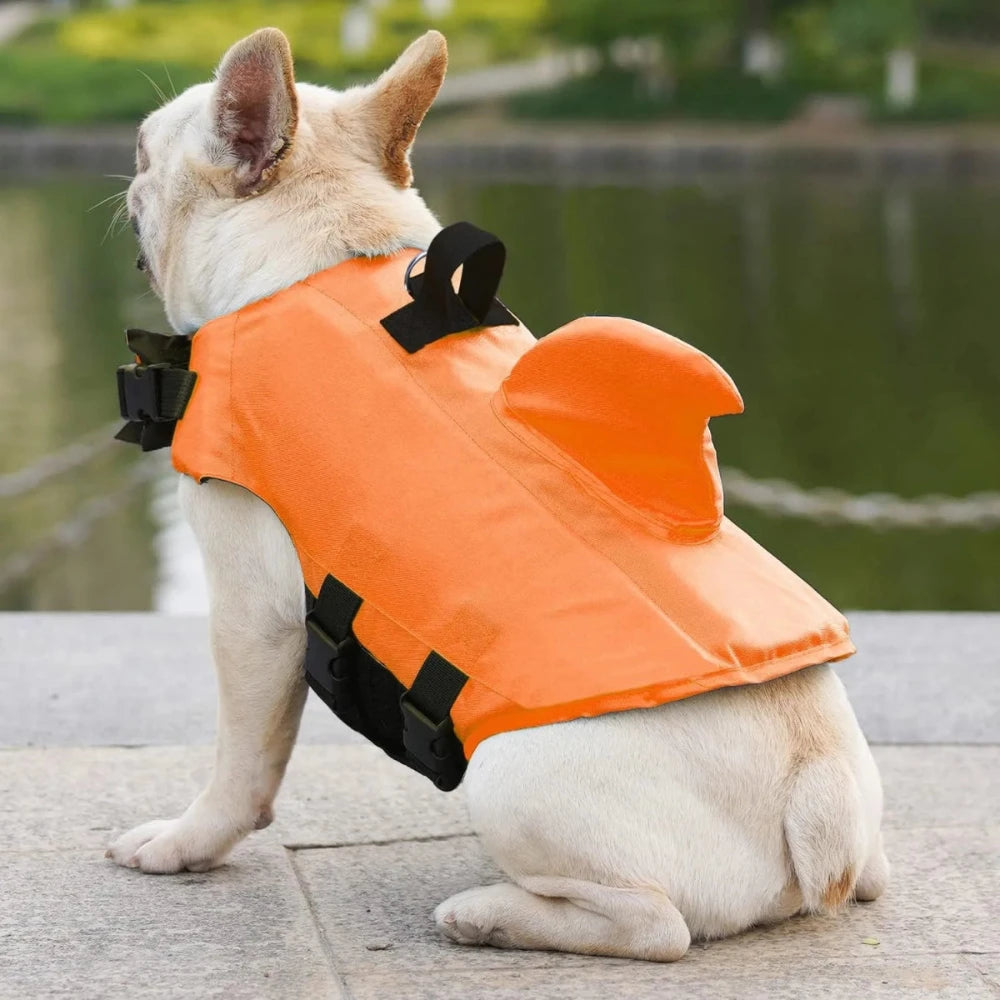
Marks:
<point>628,834</point>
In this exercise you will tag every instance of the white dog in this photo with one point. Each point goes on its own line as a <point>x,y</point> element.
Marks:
<point>628,834</point>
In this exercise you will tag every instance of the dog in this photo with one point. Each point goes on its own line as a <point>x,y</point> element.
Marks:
<point>628,834</point>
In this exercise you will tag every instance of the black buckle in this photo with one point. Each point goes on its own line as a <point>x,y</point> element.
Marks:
<point>140,392</point>
<point>433,744</point>
<point>331,664</point>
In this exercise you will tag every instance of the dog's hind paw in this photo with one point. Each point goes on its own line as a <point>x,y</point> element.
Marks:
<point>465,919</point>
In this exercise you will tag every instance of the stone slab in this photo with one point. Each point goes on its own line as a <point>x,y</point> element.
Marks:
<point>942,901</point>
<point>117,680</point>
<point>939,785</point>
<point>926,977</point>
<point>74,925</point>
<point>76,798</point>
<point>925,677</point>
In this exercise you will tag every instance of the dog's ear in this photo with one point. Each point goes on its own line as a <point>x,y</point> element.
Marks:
<point>396,103</point>
<point>255,109</point>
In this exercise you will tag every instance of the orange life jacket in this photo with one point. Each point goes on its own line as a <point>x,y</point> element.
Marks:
<point>494,532</point>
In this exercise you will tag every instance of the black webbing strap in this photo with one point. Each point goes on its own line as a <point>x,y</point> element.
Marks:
<point>331,647</point>
<point>152,394</point>
<point>413,727</point>
<point>428,733</point>
<point>437,309</point>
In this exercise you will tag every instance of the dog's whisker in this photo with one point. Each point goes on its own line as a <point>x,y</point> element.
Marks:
<point>120,177</point>
<point>156,87</point>
<point>110,197</point>
<point>173,89</point>
<point>117,220</point>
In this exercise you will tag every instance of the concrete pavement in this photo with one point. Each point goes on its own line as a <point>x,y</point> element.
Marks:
<point>335,899</point>
<point>140,679</point>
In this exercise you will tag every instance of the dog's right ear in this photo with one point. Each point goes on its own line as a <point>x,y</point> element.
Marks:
<point>255,109</point>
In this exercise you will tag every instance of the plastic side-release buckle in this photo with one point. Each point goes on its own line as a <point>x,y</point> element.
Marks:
<point>140,392</point>
<point>433,744</point>
<point>331,664</point>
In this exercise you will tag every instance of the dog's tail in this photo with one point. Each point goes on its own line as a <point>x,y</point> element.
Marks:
<point>825,832</point>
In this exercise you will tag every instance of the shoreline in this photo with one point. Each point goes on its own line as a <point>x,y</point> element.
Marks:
<point>503,149</point>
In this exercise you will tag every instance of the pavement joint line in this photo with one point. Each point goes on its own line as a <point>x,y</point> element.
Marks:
<point>324,941</point>
<point>430,839</point>
<point>988,981</point>
<point>445,837</point>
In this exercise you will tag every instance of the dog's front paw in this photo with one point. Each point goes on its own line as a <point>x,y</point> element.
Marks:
<point>164,847</point>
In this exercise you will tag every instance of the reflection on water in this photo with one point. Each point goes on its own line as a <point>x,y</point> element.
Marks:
<point>855,318</point>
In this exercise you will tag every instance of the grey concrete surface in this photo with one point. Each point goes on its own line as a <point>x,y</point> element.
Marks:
<point>393,891</point>
<point>116,679</point>
<point>137,679</point>
<point>335,898</point>
<point>350,914</point>
<point>878,978</point>
<point>73,926</point>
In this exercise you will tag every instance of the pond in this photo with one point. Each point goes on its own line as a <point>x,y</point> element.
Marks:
<point>858,319</point>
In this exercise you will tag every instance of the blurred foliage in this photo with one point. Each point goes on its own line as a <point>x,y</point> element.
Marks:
<point>93,65</point>
<point>686,57</point>
<point>828,47</point>
<point>197,32</point>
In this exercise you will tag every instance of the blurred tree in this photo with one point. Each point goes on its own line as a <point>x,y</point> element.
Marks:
<point>688,32</point>
<point>974,20</point>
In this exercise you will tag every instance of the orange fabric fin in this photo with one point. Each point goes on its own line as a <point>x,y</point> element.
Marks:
<point>631,404</point>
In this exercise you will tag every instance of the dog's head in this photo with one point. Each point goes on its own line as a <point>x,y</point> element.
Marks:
<point>248,184</point>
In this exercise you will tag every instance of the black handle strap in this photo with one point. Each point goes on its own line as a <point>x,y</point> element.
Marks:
<point>437,309</point>
<point>153,394</point>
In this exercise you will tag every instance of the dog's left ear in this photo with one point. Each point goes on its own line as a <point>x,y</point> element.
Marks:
<point>396,103</point>
<point>255,109</point>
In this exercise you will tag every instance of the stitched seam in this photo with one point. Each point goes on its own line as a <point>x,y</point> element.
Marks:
<point>232,410</point>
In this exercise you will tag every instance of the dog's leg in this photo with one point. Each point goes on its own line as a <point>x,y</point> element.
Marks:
<point>258,641</point>
<point>561,914</point>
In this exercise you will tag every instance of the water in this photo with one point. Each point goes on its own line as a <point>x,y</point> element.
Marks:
<point>857,319</point>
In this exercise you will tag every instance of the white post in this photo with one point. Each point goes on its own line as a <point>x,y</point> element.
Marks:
<point>357,29</point>
<point>901,78</point>
<point>437,8</point>
<point>763,56</point>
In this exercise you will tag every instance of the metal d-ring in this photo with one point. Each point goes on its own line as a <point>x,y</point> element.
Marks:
<point>409,267</point>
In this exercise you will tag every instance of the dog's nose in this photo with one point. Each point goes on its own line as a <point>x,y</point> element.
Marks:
<point>140,261</point>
